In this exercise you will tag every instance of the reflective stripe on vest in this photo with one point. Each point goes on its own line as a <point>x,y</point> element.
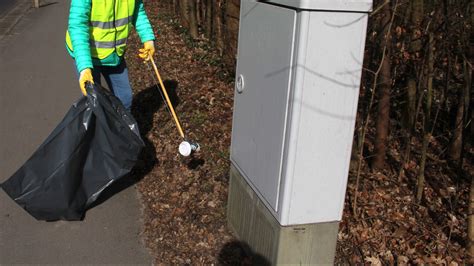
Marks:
<point>108,45</point>
<point>110,24</point>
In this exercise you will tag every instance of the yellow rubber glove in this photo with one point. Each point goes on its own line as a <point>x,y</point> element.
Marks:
<point>147,51</point>
<point>85,76</point>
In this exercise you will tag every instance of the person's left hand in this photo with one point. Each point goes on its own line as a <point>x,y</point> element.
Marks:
<point>147,51</point>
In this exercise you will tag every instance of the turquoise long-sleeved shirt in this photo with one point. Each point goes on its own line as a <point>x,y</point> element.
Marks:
<point>79,19</point>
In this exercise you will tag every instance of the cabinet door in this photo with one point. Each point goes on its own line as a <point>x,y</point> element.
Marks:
<point>265,62</point>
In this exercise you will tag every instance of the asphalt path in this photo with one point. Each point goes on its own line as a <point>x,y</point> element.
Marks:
<point>5,6</point>
<point>37,86</point>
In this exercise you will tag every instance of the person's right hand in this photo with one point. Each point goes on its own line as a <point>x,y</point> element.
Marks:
<point>85,76</point>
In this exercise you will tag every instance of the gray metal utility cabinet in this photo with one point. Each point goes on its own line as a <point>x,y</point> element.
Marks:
<point>297,86</point>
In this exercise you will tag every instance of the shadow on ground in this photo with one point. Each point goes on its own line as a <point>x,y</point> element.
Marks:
<point>145,104</point>
<point>240,253</point>
<point>47,3</point>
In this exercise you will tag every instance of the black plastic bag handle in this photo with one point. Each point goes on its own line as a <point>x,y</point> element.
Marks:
<point>89,87</point>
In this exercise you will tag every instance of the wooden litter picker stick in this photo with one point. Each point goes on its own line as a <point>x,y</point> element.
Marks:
<point>178,125</point>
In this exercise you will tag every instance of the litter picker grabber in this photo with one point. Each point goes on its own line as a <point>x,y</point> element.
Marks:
<point>186,147</point>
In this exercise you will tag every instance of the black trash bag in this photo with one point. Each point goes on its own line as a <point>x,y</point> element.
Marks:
<point>96,144</point>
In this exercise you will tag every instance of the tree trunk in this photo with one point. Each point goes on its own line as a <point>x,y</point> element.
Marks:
<point>411,104</point>
<point>470,219</point>
<point>218,26</point>
<point>456,142</point>
<point>208,19</point>
<point>463,102</point>
<point>415,48</point>
<point>471,58</point>
<point>193,26</point>
<point>468,89</point>
<point>184,10</point>
<point>426,120</point>
<point>175,6</point>
<point>383,108</point>
<point>198,12</point>
<point>416,18</point>
<point>467,105</point>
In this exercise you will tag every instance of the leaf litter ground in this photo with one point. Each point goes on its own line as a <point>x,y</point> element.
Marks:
<point>184,199</point>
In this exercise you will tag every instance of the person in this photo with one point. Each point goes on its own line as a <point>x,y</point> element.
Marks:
<point>96,39</point>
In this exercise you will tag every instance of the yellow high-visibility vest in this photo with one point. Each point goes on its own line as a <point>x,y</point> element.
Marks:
<point>109,27</point>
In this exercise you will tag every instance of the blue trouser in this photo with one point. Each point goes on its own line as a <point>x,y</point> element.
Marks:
<point>117,80</point>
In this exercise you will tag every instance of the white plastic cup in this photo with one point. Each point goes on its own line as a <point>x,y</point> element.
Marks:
<point>186,148</point>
